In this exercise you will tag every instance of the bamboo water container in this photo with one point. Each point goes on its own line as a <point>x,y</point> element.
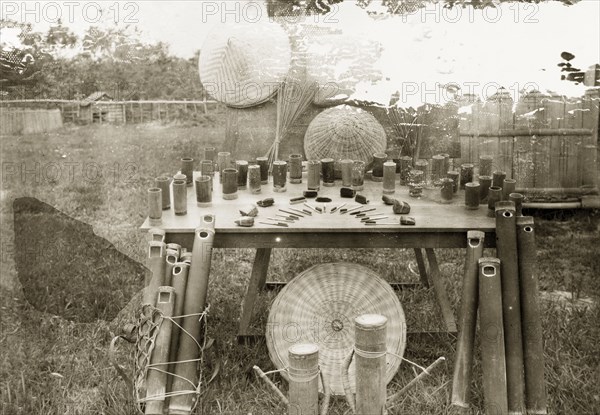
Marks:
<point>156,264</point>
<point>303,374</point>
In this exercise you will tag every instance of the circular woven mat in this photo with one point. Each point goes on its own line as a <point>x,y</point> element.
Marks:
<point>242,64</point>
<point>344,132</point>
<point>319,306</point>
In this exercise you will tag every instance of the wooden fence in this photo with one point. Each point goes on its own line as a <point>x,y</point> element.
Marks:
<point>26,121</point>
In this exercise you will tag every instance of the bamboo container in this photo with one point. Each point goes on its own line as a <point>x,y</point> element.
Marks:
<point>517,199</point>
<point>472,195</point>
<point>358,175</point>
<point>328,172</point>
<point>422,165</point>
<point>491,331</point>
<point>498,178</point>
<point>210,153</point>
<point>263,162</point>
<point>370,356</point>
<point>155,206</point>
<point>229,182</point>
<point>405,167</point>
<point>174,247</point>
<point>446,190</point>
<point>204,191</point>
<point>179,277</point>
<point>506,248</point>
<point>170,260</point>
<point>378,160</point>
<point>180,197</point>
<point>223,162</point>
<point>279,176</point>
<point>314,175</point>
<point>533,347</point>
<point>438,163</point>
<point>254,179</point>
<point>303,372</point>
<point>463,364</point>
<point>455,176</point>
<point>156,379</point>
<point>187,168</point>
<point>295,166</point>
<point>207,168</point>
<point>157,234</point>
<point>156,264</point>
<point>485,165</point>
<point>389,177</point>
<point>194,303</point>
<point>346,167</point>
<point>485,182</point>
<point>242,177</point>
<point>466,174</point>
<point>164,184</point>
<point>508,187</point>
<point>494,196</point>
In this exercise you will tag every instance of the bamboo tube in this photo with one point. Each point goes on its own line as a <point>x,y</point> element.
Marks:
<point>467,321</point>
<point>389,177</point>
<point>263,162</point>
<point>210,153</point>
<point>157,234</point>
<point>346,167</point>
<point>328,172</point>
<point>405,167</point>
<point>533,347</point>
<point>438,163</point>
<point>229,184</point>
<point>446,190</point>
<point>170,260</point>
<point>466,174</point>
<point>491,331</point>
<point>223,162</point>
<point>157,373</point>
<point>207,168</point>
<point>154,206</point>
<point>498,178</point>
<point>378,160</point>
<point>194,303</point>
<point>506,247</point>
<point>242,168</point>
<point>203,191</point>
<point>472,195</point>
<point>517,199</point>
<point>508,187</point>
<point>485,165</point>
<point>314,175</point>
<point>494,196</point>
<point>180,197</point>
<point>422,165</point>
<point>156,264</point>
<point>295,166</point>
<point>254,180</point>
<point>179,279</point>
<point>187,168</point>
<point>455,176</point>
<point>303,374</point>
<point>358,175</point>
<point>175,247</point>
<point>164,184</point>
<point>279,176</point>
<point>370,354</point>
<point>485,183</point>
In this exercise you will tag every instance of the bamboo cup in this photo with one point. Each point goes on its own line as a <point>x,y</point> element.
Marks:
<point>180,197</point>
<point>187,168</point>
<point>203,191</point>
<point>157,373</point>
<point>422,165</point>
<point>303,375</point>
<point>170,260</point>
<point>295,166</point>
<point>494,196</point>
<point>508,187</point>
<point>164,184</point>
<point>446,157</point>
<point>229,191</point>
<point>378,160</point>
<point>485,165</point>
<point>491,331</point>
<point>437,168</point>
<point>472,195</point>
<point>154,206</point>
<point>314,175</point>
<point>517,199</point>
<point>346,167</point>
<point>156,264</point>
<point>242,168</point>
<point>279,176</point>
<point>210,153</point>
<point>389,177</point>
<point>254,179</point>
<point>405,167</point>
<point>370,357</point>
<point>455,176</point>
<point>358,175</point>
<point>194,303</point>
<point>498,178</point>
<point>533,347</point>
<point>485,183</point>
<point>207,168</point>
<point>446,190</point>
<point>263,162</point>
<point>223,162</point>
<point>466,174</point>
<point>506,247</point>
<point>463,364</point>
<point>328,172</point>
<point>179,277</point>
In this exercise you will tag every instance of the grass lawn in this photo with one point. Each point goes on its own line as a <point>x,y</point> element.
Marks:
<point>56,363</point>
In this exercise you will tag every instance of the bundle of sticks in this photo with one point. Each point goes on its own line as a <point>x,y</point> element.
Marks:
<point>504,290</point>
<point>175,294</point>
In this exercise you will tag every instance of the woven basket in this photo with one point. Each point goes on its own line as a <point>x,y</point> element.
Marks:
<point>344,132</point>
<point>319,306</point>
<point>242,64</point>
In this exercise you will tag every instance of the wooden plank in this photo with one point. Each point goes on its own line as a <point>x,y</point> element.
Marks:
<point>257,281</point>
<point>440,292</point>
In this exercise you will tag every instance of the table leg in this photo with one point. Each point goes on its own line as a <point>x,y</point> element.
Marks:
<point>422,268</point>
<point>440,291</point>
<point>256,283</point>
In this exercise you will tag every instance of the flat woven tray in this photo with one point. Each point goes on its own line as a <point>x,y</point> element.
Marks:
<point>320,305</point>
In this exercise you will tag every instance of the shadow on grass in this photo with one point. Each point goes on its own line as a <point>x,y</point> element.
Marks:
<point>66,269</point>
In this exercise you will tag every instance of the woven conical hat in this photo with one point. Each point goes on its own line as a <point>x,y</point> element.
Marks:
<point>242,64</point>
<point>344,132</point>
<point>319,306</point>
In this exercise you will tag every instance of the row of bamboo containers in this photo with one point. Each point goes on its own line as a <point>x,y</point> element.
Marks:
<point>177,288</point>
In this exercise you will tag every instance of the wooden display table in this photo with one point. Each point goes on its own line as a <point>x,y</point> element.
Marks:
<point>437,226</point>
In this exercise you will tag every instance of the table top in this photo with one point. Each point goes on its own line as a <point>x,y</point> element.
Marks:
<point>430,214</point>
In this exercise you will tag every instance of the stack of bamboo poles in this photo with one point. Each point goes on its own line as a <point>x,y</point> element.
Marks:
<point>167,363</point>
<point>504,291</point>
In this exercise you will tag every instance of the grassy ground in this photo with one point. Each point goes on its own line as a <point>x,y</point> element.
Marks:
<point>57,364</point>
